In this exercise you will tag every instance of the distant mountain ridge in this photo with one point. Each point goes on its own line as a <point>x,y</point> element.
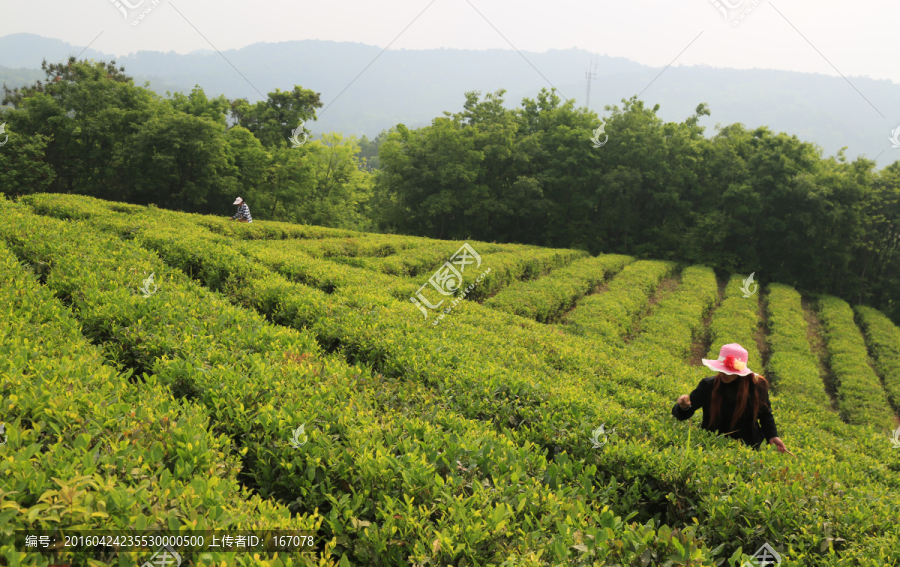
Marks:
<point>415,86</point>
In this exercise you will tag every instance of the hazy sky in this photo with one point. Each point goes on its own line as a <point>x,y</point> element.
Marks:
<point>857,38</point>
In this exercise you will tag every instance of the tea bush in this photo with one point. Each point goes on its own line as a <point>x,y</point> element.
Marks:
<point>611,314</point>
<point>678,319</point>
<point>358,247</point>
<point>87,446</point>
<point>736,320</point>
<point>883,338</point>
<point>792,366</point>
<point>861,398</point>
<point>544,392</point>
<point>547,298</point>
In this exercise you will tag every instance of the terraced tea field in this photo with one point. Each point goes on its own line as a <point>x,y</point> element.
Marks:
<point>458,440</point>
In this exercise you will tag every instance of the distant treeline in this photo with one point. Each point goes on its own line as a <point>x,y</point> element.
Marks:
<point>741,201</point>
<point>88,129</point>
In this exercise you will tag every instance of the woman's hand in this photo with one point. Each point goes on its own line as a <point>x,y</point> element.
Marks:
<point>778,443</point>
<point>684,401</point>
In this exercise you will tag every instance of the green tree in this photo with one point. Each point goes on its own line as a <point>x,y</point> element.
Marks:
<point>273,119</point>
<point>198,104</point>
<point>288,184</point>
<point>22,167</point>
<point>430,174</point>
<point>368,150</point>
<point>877,254</point>
<point>84,110</point>
<point>341,189</point>
<point>179,161</point>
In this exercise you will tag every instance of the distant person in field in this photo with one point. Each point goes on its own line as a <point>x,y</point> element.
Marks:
<point>735,401</point>
<point>243,214</point>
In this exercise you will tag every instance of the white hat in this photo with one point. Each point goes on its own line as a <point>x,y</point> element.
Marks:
<point>238,201</point>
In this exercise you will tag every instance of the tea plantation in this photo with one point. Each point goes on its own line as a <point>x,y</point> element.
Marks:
<point>466,434</point>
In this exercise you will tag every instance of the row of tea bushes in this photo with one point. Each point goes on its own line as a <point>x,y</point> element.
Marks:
<point>505,267</point>
<point>269,230</point>
<point>736,320</point>
<point>611,314</point>
<point>793,372</point>
<point>677,322</point>
<point>324,275</point>
<point>861,398</point>
<point>508,267</point>
<point>362,246</point>
<point>78,206</point>
<point>86,446</point>
<point>883,338</point>
<point>449,460</point>
<point>792,367</point>
<point>556,409</point>
<point>547,298</point>
<point>423,260</point>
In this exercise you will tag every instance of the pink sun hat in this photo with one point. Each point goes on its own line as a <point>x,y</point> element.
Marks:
<point>732,360</point>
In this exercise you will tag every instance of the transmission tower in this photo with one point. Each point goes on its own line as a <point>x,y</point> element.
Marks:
<point>589,75</point>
